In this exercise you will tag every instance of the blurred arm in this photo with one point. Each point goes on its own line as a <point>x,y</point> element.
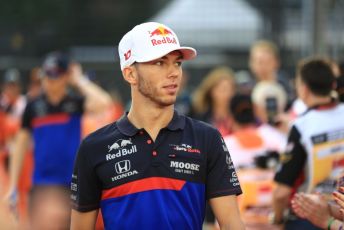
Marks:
<point>84,220</point>
<point>280,201</point>
<point>292,165</point>
<point>227,212</point>
<point>21,145</point>
<point>97,99</point>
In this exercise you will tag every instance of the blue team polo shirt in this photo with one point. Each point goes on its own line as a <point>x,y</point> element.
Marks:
<point>56,131</point>
<point>143,184</point>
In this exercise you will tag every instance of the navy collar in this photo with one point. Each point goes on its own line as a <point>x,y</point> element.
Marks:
<point>128,129</point>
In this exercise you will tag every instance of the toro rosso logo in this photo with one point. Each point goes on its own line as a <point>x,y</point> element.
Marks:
<point>166,34</point>
<point>185,148</point>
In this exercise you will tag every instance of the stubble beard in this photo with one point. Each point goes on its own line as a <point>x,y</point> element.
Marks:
<point>152,94</point>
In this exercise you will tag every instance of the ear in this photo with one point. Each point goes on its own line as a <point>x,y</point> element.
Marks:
<point>130,75</point>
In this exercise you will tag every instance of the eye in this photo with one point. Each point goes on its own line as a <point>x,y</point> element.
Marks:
<point>159,63</point>
<point>178,63</point>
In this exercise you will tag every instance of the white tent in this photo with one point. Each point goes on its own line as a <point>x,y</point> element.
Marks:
<point>212,23</point>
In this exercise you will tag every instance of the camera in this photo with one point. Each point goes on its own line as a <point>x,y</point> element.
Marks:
<point>271,107</point>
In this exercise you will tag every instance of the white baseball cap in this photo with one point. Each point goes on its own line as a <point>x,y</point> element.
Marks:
<point>150,41</point>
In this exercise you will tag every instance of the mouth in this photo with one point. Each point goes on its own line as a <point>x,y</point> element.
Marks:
<point>171,89</point>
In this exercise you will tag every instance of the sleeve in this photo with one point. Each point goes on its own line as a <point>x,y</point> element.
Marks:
<point>292,161</point>
<point>85,185</point>
<point>79,100</point>
<point>27,117</point>
<point>82,102</point>
<point>222,179</point>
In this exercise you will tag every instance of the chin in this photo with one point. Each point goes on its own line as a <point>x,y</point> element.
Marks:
<point>167,102</point>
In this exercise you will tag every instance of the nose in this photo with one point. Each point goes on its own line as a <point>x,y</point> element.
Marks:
<point>174,71</point>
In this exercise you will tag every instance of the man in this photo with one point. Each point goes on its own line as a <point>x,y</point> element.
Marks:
<point>154,168</point>
<point>255,149</point>
<point>11,100</point>
<point>315,153</point>
<point>12,103</point>
<point>264,64</point>
<point>53,121</point>
<point>250,140</point>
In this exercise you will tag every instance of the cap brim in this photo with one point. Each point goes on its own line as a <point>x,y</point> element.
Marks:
<point>188,53</point>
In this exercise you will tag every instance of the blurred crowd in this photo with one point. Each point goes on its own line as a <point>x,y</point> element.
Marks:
<point>254,110</point>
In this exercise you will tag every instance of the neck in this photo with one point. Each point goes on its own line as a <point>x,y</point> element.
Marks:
<point>55,97</point>
<point>317,100</point>
<point>269,77</point>
<point>220,111</point>
<point>238,127</point>
<point>150,118</point>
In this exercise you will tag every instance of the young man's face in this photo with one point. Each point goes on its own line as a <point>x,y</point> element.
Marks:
<point>55,85</point>
<point>263,64</point>
<point>159,80</point>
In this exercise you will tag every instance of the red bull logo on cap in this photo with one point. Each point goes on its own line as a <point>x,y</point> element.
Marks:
<point>162,31</point>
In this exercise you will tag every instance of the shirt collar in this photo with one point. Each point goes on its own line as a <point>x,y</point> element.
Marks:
<point>333,103</point>
<point>128,129</point>
<point>177,122</point>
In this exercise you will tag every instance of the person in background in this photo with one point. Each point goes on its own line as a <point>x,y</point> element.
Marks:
<point>298,107</point>
<point>251,139</point>
<point>52,121</point>
<point>93,121</point>
<point>154,168</point>
<point>321,210</point>
<point>35,84</point>
<point>314,155</point>
<point>13,102</point>
<point>244,82</point>
<point>211,99</point>
<point>264,63</point>
<point>269,100</point>
<point>340,82</point>
<point>210,103</point>
<point>255,149</point>
<point>184,102</point>
<point>318,210</point>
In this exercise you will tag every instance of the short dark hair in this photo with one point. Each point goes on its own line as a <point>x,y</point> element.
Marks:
<point>317,74</point>
<point>241,108</point>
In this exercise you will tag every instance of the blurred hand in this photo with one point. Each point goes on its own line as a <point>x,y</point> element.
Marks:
<point>75,73</point>
<point>10,200</point>
<point>312,207</point>
<point>6,219</point>
<point>283,121</point>
<point>339,199</point>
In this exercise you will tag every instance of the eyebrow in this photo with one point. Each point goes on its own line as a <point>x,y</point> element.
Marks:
<point>179,57</point>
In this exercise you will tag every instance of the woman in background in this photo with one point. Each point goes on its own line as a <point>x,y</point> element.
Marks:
<point>210,101</point>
